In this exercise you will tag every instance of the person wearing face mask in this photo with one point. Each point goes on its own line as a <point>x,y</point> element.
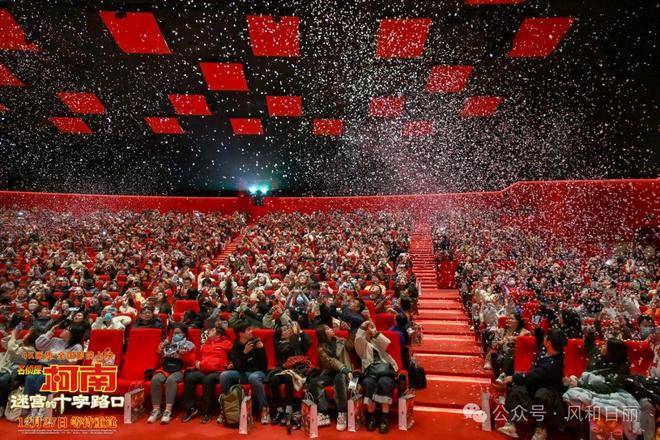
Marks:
<point>213,359</point>
<point>646,324</point>
<point>177,355</point>
<point>106,321</point>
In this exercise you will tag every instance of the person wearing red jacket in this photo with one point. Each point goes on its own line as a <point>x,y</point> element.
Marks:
<point>213,358</point>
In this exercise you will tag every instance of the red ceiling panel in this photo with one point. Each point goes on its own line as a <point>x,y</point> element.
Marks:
<point>246,125</point>
<point>70,125</point>
<point>493,2</point>
<point>270,38</point>
<point>448,79</point>
<point>284,105</point>
<point>402,38</point>
<point>418,128</point>
<point>386,106</point>
<point>164,125</point>
<point>12,36</point>
<point>138,32</point>
<point>82,102</point>
<point>224,76</point>
<point>538,37</point>
<point>3,108</point>
<point>327,127</point>
<point>481,106</point>
<point>190,104</point>
<point>7,78</point>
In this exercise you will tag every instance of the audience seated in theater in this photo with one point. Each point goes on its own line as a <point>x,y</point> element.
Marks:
<point>537,393</point>
<point>213,359</point>
<point>248,365</point>
<point>176,356</point>
<point>291,371</point>
<point>336,371</point>
<point>379,371</point>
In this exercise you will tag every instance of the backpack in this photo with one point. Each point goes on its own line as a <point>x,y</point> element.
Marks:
<point>230,406</point>
<point>416,376</point>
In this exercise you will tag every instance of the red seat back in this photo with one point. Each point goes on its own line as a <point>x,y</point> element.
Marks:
<point>640,356</point>
<point>525,353</point>
<point>141,352</point>
<point>313,352</point>
<point>371,307</point>
<point>102,339</point>
<point>384,321</point>
<point>575,358</point>
<point>268,338</point>
<point>181,305</point>
<point>195,336</point>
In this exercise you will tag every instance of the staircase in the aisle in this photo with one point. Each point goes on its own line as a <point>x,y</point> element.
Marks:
<point>449,353</point>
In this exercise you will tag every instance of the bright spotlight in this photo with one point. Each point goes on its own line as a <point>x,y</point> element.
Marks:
<point>263,189</point>
<point>253,189</point>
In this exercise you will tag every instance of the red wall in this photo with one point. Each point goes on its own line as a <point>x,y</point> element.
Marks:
<point>571,209</point>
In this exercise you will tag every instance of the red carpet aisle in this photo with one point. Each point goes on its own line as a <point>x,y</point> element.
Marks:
<point>449,353</point>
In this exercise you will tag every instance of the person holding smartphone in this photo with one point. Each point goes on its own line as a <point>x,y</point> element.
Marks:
<point>248,365</point>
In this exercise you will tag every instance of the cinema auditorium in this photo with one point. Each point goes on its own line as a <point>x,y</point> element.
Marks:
<point>329,219</point>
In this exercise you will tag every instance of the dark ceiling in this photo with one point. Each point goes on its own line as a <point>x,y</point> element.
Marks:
<point>587,110</point>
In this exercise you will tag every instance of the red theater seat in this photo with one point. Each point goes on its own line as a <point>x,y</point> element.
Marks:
<point>575,358</point>
<point>524,354</point>
<point>140,356</point>
<point>181,306</point>
<point>371,307</point>
<point>640,356</point>
<point>101,340</point>
<point>384,321</point>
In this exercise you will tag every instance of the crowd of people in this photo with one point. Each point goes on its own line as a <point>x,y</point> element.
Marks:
<point>63,276</point>
<point>516,282</point>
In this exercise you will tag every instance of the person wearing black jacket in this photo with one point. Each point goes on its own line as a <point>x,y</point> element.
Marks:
<point>291,344</point>
<point>248,365</point>
<point>185,291</point>
<point>539,389</point>
<point>148,320</point>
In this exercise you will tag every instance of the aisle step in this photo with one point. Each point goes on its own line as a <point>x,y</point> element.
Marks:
<point>448,315</point>
<point>439,304</point>
<point>453,391</point>
<point>460,344</point>
<point>431,293</point>
<point>445,327</point>
<point>453,364</point>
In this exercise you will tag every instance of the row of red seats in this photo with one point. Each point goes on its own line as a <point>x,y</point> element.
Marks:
<point>640,356</point>
<point>142,344</point>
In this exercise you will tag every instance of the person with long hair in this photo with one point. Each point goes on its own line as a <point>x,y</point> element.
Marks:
<point>291,345</point>
<point>10,360</point>
<point>504,345</point>
<point>379,371</point>
<point>336,370</point>
<point>571,323</point>
<point>607,368</point>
